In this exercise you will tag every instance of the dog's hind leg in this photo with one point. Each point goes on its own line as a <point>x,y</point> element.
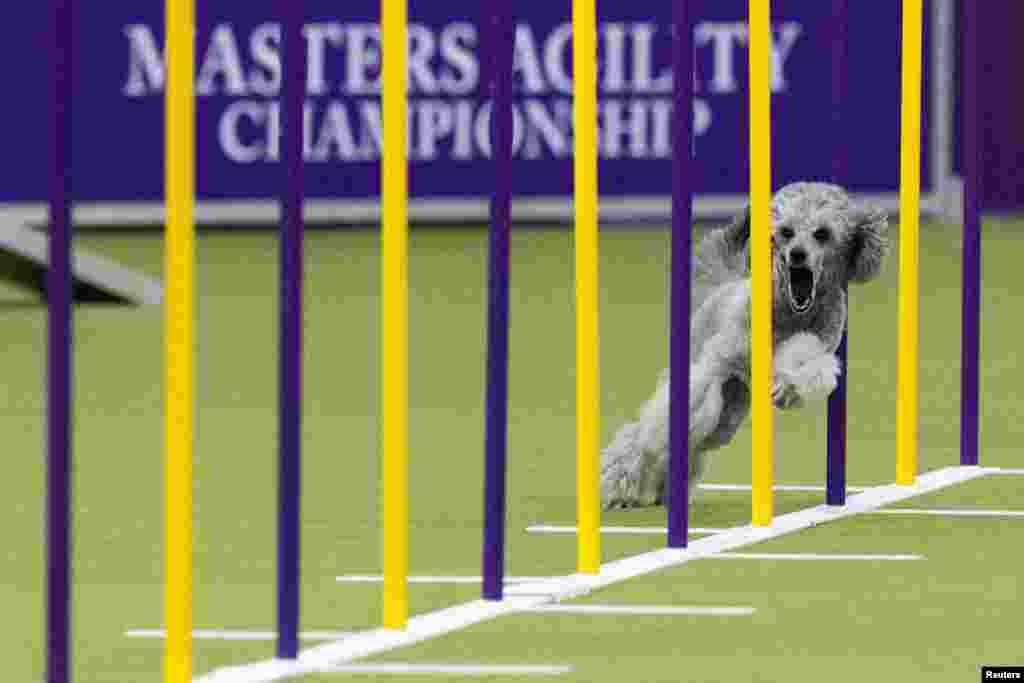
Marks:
<point>629,472</point>
<point>714,422</point>
<point>634,465</point>
<point>735,406</point>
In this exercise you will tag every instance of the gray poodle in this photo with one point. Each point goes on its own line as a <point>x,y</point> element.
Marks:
<point>821,241</point>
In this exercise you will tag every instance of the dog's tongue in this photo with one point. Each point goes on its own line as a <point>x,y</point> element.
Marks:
<point>801,286</point>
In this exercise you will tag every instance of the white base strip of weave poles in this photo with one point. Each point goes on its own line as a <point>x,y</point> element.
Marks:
<point>524,597</point>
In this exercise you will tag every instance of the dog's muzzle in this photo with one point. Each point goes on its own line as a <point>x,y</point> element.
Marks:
<point>802,288</point>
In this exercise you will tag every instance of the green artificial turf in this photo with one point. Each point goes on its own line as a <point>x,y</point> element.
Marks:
<point>931,620</point>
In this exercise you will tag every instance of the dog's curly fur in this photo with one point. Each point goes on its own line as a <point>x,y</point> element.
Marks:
<point>821,241</point>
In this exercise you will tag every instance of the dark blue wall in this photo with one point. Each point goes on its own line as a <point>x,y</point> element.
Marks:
<point>1002,110</point>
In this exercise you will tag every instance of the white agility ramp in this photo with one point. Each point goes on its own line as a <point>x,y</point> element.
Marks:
<point>24,260</point>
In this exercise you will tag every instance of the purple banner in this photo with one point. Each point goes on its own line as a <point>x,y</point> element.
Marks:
<point>119,83</point>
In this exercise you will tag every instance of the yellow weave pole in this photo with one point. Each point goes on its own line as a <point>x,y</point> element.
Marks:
<point>179,140</point>
<point>395,316</point>
<point>761,262</point>
<point>588,406</point>
<point>910,207</point>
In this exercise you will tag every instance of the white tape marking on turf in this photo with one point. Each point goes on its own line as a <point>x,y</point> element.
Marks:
<point>450,669</point>
<point>638,530</point>
<point>812,556</point>
<point>522,597</point>
<point>1006,471</point>
<point>960,512</point>
<point>646,610</point>
<point>788,488</point>
<point>357,578</point>
<point>239,635</point>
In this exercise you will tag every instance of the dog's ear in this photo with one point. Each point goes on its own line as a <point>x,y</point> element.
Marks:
<point>737,233</point>
<point>722,254</point>
<point>869,242</point>
<point>735,240</point>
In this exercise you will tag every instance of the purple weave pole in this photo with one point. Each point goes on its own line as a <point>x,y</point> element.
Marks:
<point>499,55</point>
<point>835,467</point>
<point>58,295</point>
<point>683,173</point>
<point>293,88</point>
<point>970,335</point>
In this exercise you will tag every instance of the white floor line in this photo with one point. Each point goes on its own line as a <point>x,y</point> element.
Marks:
<point>646,610</point>
<point>239,635</point>
<point>813,556</point>
<point>956,512</point>
<point>449,669</point>
<point>788,488</point>
<point>377,578</point>
<point>521,597</point>
<point>1007,471</point>
<point>639,530</point>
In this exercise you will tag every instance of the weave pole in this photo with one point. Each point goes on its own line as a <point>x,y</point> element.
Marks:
<point>179,160</point>
<point>499,47</point>
<point>683,182</point>
<point>395,316</point>
<point>970,336</point>
<point>761,262</point>
<point>835,467</point>
<point>910,208</point>
<point>58,295</point>
<point>289,411</point>
<point>588,403</point>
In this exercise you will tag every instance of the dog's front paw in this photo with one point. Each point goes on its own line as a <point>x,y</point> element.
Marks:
<point>817,378</point>
<point>785,394</point>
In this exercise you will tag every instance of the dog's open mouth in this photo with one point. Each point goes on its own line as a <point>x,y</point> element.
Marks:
<point>801,288</point>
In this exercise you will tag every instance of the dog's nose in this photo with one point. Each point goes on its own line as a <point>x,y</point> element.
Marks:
<point>797,257</point>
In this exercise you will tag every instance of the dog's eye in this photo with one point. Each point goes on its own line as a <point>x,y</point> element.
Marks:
<point>787,233</point>
<point>822,235</point>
